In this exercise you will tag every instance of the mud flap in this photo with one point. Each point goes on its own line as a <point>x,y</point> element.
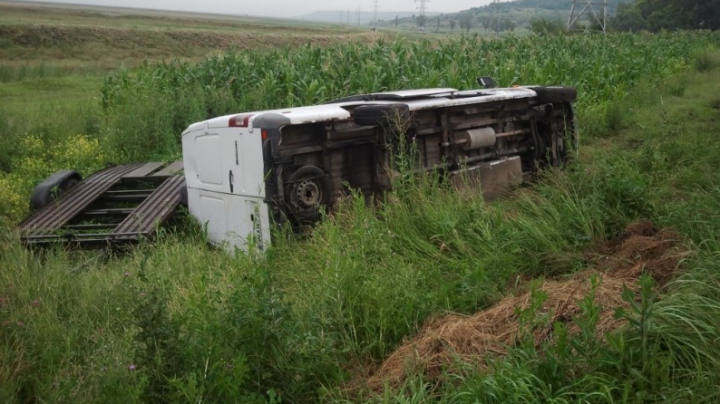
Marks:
<point>494,178</point>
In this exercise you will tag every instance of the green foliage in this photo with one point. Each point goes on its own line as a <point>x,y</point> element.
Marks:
<point>148,108</point>
<point>705,61</point>
<point>657,15</point>
<point>177,321</point>
<point>628,18</point>
<point>182,360</point>
<point>547,27</point>
<point>466,22</point>
<point>158,346</point>
<point>33,157</point>
<point>519,13</point>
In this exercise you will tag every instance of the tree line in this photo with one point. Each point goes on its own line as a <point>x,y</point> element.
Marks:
<point>656,15</point>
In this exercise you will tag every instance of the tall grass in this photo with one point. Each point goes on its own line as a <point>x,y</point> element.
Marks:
<point>19,72</point>
<point>177,321</point>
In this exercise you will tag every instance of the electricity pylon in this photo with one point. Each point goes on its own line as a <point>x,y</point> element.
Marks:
<point>589,7</point>
<point>422,9</point>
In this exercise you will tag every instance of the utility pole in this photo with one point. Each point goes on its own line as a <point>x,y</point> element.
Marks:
<point>375,9</point>
<point>588,7</point>
<point>358,14</point>
<point>348,18</point>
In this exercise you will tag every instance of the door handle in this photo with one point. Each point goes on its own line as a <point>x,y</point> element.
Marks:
<point>231,177</point>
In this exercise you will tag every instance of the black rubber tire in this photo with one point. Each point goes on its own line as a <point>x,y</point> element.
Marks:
<point>553,94</point>
<point>53,187</point>
<point>315,182</point>
<point>383,115</point>
<point>63,187</point>
<point>68,184</point>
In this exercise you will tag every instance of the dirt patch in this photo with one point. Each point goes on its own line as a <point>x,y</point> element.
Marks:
<point>617,264</point>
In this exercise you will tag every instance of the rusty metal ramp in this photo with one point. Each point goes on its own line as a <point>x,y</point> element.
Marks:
<point>115,206</point>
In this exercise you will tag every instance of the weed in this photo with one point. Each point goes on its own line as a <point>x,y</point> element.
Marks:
<point>705,61</point>
<point>615,117</point>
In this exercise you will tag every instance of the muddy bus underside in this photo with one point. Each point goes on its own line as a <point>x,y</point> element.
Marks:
<point>332,157</point>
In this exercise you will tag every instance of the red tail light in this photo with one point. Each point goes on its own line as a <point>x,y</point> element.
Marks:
<point>264,134</point>
<point>240,121</point>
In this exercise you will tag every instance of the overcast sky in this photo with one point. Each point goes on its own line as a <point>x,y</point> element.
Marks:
<point>283,8</point>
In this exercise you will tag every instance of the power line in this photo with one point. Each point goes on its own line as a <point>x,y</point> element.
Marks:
<point>589,7</point>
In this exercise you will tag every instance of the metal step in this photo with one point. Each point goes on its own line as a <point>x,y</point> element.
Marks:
<point>127,195</point>
<point>108,212</point>
<point>82,227</point>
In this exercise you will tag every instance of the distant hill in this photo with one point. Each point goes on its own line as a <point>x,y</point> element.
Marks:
<point>512,14</point>
<point>555,5</point>
<point>366,17</point>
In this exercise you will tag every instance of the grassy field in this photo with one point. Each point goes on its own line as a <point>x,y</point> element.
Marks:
<point>90,38</point>
<point>331,317</point>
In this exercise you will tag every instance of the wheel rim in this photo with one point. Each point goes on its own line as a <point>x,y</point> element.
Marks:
<point>308,194</point>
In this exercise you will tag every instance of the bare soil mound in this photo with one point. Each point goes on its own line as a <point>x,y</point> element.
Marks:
<point>444,341</point>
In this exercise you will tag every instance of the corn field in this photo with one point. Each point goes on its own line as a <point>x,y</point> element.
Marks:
<point>603,68</point>
<point>149,107</point>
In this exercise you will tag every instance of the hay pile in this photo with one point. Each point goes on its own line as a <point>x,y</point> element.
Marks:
<point>616,264</point>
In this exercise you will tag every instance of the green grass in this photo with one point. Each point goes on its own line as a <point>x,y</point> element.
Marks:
<point>98,39</point>
<point>15,13</point>
<point>178,321</point>
<point>198,324</point>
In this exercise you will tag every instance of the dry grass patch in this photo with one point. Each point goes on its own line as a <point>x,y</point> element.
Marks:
<point>444,342</point>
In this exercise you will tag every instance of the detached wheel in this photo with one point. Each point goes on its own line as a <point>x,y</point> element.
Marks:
<point>553,94</point>
<point>381,115</point>
<point>53,187</point>
<point>307,192</point>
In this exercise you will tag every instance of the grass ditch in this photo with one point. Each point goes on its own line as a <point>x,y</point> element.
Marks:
<point>178,321</point>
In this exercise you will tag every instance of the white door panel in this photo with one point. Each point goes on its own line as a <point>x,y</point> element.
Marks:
<point>224,174</point>
<point>231,220</point>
